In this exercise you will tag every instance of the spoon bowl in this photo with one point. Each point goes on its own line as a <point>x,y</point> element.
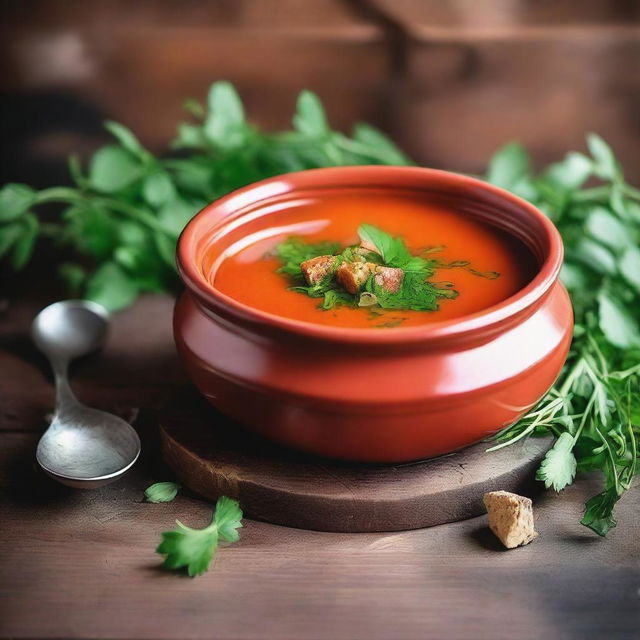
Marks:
<point>70,328</point>
<point>83,447</point>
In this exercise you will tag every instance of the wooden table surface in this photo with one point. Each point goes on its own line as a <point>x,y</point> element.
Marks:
<point>82,564</point>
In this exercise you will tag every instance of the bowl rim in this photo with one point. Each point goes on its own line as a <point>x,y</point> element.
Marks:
<point>485,321</point>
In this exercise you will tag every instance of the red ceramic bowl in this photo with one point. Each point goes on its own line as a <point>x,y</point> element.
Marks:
<point>365,394</point>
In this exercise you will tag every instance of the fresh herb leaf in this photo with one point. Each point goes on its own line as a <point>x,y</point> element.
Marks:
<point>509,166</point>
<point>112,169</point>
<point>336,298</point>
<point>378,145</point>
<point>127,140</point>
<point>15,200</point>
<point>224,123</point>
<point>23,247</point>
<point>605,164</point>
<point>111,287</point>
<point>558,469</point>
<point>161,492</point>
<point>158,189</point>
<point>228,519</point>
<point>629,267</point>
<point>607,228</point>
<point>394,251</point>
<point>194,549</point>
<point>310,118</point>
<point>598,514</point>
<point>616,322</point>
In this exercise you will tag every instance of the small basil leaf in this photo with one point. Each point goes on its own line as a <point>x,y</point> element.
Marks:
<point>132,233</point>
<point>158,189</point>
<point>92,230</point>
<point>617,201</point>
<point>9,235</point>
<point>192,175</point>
<point>606,166</point>
<point>166,247</point>
<point>15,199</point>
<point>23,247</point>
<point>594,255</point>
<point>189,136</point>
<point>629,266</point>
<point>508,166</point>
<point>161,492</point>
<point>607,229</point>
<point>113,168</point>
<point>111,287</point>
<point>225,123</point>
<point>127,139</point>
<point>617,323</point>
<point>75,171</point>
<point>573,277</point>
<point>384,149</point>
<point>572,172</point>
<point>310,118</point>
<point>175,214</point>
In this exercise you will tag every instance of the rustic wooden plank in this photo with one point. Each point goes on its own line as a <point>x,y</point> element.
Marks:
<point>81,564</point>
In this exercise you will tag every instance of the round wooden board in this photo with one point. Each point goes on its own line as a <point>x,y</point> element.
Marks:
<point>214,456</point>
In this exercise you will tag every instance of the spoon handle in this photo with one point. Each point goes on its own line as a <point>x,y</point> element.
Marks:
<point>65,397</point>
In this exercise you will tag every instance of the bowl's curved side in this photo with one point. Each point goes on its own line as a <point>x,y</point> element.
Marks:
<point>375,406</point>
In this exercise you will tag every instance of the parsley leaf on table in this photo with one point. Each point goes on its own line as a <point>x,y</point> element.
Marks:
<point>194,549</point>
<point>558,468</point>
<point>161,492</point>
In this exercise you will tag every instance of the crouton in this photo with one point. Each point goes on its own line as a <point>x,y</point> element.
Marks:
<point>510,518</point>
<point>353,275</point>
<point>389,278</point>
<point>316,269</point>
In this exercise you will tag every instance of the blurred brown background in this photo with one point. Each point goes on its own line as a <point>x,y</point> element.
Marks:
<point>450,80</point>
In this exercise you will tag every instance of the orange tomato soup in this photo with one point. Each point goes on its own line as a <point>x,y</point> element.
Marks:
<point>248,271</point>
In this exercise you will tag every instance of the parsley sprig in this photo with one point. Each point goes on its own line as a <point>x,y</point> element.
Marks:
<point>195,548</point>
<point>593,411</point>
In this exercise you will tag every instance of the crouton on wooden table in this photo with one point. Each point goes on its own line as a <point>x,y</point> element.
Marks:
<point>510,518</point>
<point>389,278</point>
<point>353,275</point>
<point>316,269</point>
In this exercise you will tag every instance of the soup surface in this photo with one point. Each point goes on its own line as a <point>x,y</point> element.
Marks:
<point>248,269</point>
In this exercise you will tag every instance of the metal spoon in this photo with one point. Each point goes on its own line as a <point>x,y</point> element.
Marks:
<point>83,447</point>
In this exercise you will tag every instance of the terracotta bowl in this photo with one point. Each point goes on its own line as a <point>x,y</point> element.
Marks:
<point>364,394</point>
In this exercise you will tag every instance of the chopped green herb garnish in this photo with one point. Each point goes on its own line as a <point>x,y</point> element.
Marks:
<point>385,274</point>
